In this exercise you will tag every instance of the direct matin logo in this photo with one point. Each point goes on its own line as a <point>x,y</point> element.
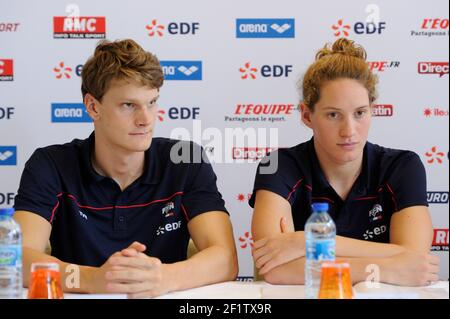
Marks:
<point>69,113</point>
<point>265,28</point>
<point>182,70</point>
<point>8,155</point>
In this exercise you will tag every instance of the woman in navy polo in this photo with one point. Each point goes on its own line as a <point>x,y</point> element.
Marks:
<point>377,196</point>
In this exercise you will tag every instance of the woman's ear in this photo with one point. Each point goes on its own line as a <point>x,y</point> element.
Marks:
<point>92,106</point>
<point>306,115</point>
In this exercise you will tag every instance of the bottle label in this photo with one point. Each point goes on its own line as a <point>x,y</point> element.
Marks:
<point>322,250</point>
<point>10,255</point>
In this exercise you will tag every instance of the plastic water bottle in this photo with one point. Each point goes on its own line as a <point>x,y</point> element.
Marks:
<point>320,234</point>
<point>10,256</point>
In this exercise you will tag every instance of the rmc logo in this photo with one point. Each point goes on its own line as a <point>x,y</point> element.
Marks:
<point>69,112</point>
<point>182,70</point>
<point>79,27</point>
<point>265,28</point>
<point>6,70</point>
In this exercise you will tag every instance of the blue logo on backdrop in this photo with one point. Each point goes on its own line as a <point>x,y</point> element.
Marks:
<point>437,197</point>
<point>182,70</point>
<point>69,112</point>
<point>265,28</point>
<point>8,155</point>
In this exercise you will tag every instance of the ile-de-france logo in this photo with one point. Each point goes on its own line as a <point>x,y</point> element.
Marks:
<point>167,210</point>
<point>375,213</point>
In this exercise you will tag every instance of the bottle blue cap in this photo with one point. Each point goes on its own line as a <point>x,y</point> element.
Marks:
<point>6,212</point>
<point>320,207</point>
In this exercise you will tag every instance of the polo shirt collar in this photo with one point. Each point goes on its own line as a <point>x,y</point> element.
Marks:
<point>363,181</point>
<point>152,167</point>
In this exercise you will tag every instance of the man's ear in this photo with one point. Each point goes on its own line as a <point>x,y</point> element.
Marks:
<point>92,106</point>
<point>306,115</point>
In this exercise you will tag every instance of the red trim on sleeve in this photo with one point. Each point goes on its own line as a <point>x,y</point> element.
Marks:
<point>294,189</point>
<point>393,196</point>
<point>56,207</point>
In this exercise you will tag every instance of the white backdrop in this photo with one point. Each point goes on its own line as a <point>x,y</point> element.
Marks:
<point>232,63</point>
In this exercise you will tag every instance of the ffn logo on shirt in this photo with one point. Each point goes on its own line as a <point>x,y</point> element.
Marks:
<point>440,240</point>
<point>6,70</point>
<point>79,27</point>
<point>8,155</point>
<point>265,28</point>
<point>167,210</point>
<point>182,70</point>
<point>375,213</point>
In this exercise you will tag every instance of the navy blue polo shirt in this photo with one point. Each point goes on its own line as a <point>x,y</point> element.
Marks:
<point>390,180</point>
<point>92,218</point>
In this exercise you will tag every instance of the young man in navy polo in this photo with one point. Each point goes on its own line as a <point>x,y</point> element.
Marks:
<point>377,196</point>
<point>121,204</point>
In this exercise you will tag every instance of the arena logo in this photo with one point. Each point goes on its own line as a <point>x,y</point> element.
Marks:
<point>8,155</point>
<point>79,27</point>
<point>247,71</point>
<point>9,27</point>
<point>381,66</point>
<point>6,113</point>
<point>156,29</point>
<point>261,112</point>
<point>440,68</point>
<point>435,111</point>
<point>440,240</point>
<point>383,110</point>
<point>7,199</point>
<point>69,113</point>
<point>437,197</point>
<point>251,153</point>
<point>179,113</point>
<point>6,70</point>
<point>62,71</point>
<point>182,70</point>
<point>431,27</point>
<point>342,29</point>
<point>265,28</point>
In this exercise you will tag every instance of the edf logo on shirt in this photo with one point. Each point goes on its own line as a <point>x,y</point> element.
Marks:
<point>8,155</point>
<point>182,70</point>
<point>265,28</point>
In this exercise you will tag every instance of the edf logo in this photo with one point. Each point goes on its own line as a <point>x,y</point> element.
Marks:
<point>156,29</point>
<point>342,29</point>
<point>179,113</point>
<point>8,155</point>
<point>182,70</point>
<point>6,113</point>
<point>69,112</point>
<point>276,71</point>
<point>265,28</point>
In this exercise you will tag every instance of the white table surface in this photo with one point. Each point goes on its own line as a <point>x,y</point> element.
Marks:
<point>263,290</point>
